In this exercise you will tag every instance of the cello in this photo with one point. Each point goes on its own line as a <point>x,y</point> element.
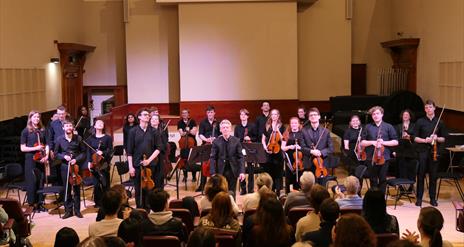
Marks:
<point>166,161</point>
<point>186,142</point>
<point>321,170</point>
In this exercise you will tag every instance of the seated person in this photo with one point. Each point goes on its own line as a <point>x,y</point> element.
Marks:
<point>221,215</point>
<point>66,237</point>
<point>329,213</point>
<point>353,230</point>
<point>131,232</point>
<point>350,199</point>
<point>375,213</point>
<point>251,201</point>
<point>124,210</point>
<point>160,221</point>
<point>202,237</point>
<point>300,198</point>
<point>111,202</point>
<point>216,184</point>
<point>311,221</point>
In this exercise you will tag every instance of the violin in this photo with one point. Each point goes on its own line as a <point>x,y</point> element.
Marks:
<point>434,143</point>
<point>97,160</point>
<point>245,134</point>
<point>39,155</point>
<point>298,158</point>
<point>321,170</point>
<point>74,177</point>
<point>378,156</point>
<point>146,176</point>
<point>359,150</point>
<point>273,144</point>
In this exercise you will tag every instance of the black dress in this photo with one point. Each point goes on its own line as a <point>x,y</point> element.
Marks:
<point>290,172</point>
<point>274,164</point>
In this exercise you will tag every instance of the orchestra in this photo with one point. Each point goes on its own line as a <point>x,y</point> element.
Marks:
<point>304,144</point>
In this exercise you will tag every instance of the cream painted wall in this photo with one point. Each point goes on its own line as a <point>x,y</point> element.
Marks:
<point>324,51</point>
<point>371,25</point>
<point>238,51</point>
<point>150,37</point>
<point>440,26</point>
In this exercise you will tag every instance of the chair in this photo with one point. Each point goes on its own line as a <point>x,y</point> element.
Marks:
<point>165,241</point>
<point>454,177</point>
<point>118,150</point>
<point>123,168</point>
<point>21,217</point>
<point>352,210</point>
<point>14,172</point>
<point>185,216</point>
<point>459,207</point>
<point>87,183</point>
<point>399,184</point>
<point>227,238</point>
<point>176,203</point>
<point>52,190</point>
<point>331,162</point>
<point>296,214</point>
<point>384,239</point>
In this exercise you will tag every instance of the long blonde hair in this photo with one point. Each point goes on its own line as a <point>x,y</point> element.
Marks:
<point>30,126</point>
<point>269,120</point>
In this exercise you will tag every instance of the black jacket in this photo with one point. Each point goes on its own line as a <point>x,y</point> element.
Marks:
<point>230,150</point>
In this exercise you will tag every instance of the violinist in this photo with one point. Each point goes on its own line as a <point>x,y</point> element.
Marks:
<point>262,119</point>
<point>55,130</point>
<point>209,130</point>
<point>70,150</point>
<point>246,132</point>
<point>129,122</point>
<point>292,141</point>
<point>36,157</point>
<point>83,122</point>
<point>352,143</point>
<point>428,162</point>
<point>142,142</point>
<point>98,162</point>
<point>405,152</point>
<point>187,128</point>
<point>271,140</point>
<point>302,116</point>
<point>318,144</point>
<point>377,137</point>
<point>161,134</point>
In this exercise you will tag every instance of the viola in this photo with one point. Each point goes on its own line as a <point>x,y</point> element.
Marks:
<point>146,176</point>
<point>318,162</point>
<point>97,159</point>
<point>378,156</point>
<point>359,150</point>
<point>39,155</point>
<point>298,158</point>
<point>74,177</point>
<point>273,145</point>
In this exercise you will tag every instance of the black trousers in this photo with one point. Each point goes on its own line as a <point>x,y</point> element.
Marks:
<point>101,183</point>
<point>378,175</point>
<point>141,194</point>
<point>274,167</point>
<point>407,168</point>
<point>427,164</point>
<point>251,179</point>
<point>73,199</point>
<point>34,175</point>
<point>231,179</point>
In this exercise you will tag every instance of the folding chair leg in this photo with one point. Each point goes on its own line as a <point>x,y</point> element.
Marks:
<point>458,186</point>
<point>83,195</point>
<point>19,196</point>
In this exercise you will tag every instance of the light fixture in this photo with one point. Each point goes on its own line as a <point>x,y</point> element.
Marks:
<point>54,60</point>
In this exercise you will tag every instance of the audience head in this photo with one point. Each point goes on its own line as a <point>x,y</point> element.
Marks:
<point>202,237</point>
<point>302,244</point>
<point>402,243</point>
<point>93,242</point>
<point>329,210</point>
<point>221,209</point>
<point>111,202</point>
<point>215,184</point>
<point>375,209</point>
<point>317,195</point>
<point>264,179</point>
<point>352,185</point>
<point>430,223</point>
<point>130,231</point>
<point>114,241</point>
<point>307,181</point>
<point>353,230</point>
<point>270,223</point>
<point>66,237</point>
<point>158,200</point>
<point>122,191</point>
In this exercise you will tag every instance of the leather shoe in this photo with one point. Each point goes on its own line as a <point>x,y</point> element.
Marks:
<point>79,215</point>
<point>433,203</point>
<point>67,215</point>
<point>419,203</point>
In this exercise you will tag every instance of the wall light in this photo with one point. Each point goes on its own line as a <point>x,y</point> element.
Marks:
<point>54,60</point>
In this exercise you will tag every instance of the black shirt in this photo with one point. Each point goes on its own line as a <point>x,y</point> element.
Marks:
<point>104,144</point>
<point>75,147</point>
<point>351,135</point>
<point>206,128</point>
<point>83,127</point>
<point>424,128</point>
<point>406,148</point>
<point>125,131</point>
<point>321,237</point>
<point>304,122</point>
<point>292,136</point>
<point>261,124</point>
<point>250,128</point>
<point>29,138</point>
<point>313,136</point>
<point>163,136</point>
<point>267,133</point>
<point>183,125</point>
<point>142,143</point>
<point>387,133</point>
<point>56,130</point>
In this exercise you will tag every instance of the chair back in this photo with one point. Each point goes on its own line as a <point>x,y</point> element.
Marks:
<point>14,211</point>
<point>185,216</point>
<point>13,170</point>
<point>384,239</point>
<point>359,172</point>
<point>176,203</point>
<point>248,213</point>
<point>227,238</point>
<point>296,214</point>
<point>165,241</point>
<point>122,167</point>
<point>118,150</point>
<point>352,210</point>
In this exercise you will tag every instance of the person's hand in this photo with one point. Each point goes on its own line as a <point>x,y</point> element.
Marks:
<point>131,171</point>
<point>411,236</point>
<point>145,162</point>
<point>241,177</point>
<point>73,161</point>
<point>44,159</point>
<point>247,138</point>
<point>316,153</point>
<point>99,152</point>
<point>394,154</point>
<point>39,148</point>
<point>67,157</point>
<point>428,140</point>
<point>126,212</point>
<point>89,165</point>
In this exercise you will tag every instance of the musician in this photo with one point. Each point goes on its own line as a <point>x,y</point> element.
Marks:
<point>103,145</point>
<point>302,116</point>
<point>378,134</point>
<point>425,137</point>
<point>246,132</point>
<point>187,126</point>
<point>316,140</point>
<point>292,139</point>
<point>129,122</point>
<point>227,157</point>
<point>56,127</point>
<point>262,119</point>
<point>29,145</point>
<point>352,138</point>
<point>209,130</point>
<point>161,134</point>
<point>274,129</point>
<point>405,152</point>
<point>142,142</point>
<point>83,122</point>
<point>70,150</point>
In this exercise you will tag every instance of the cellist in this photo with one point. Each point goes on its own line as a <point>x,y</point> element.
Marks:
<point>377,137</point>
<point>318,143</point>
<point>291,142</point>
<point>187,128</point>
<point>425,137</point>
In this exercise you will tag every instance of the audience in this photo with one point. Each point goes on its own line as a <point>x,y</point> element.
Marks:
<point>221,215</point>
<point>300,198</point>
<point>93,242</point>
<point>160,221</point>
<point>375,213</point>
<point>430,223</point>
<point>130,230</point>
<point>351,199</point>
<point>111,202</point>
<point>329,213</point>
<point>114,242</point>
<point>302,244</point>
<point>124,210</point>
<point>201,237</point>
<point>251,201</point>
<point>402,243</point>
<point>216,184</point>
<point>353,230</point>
<point>66,237</point>
<point>311,221</point>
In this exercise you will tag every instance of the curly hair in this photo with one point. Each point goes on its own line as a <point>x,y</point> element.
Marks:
<point>353,230</point>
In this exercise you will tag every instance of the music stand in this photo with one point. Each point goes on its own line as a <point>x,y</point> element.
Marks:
<point>199,154</point>
<point>254,153</point>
